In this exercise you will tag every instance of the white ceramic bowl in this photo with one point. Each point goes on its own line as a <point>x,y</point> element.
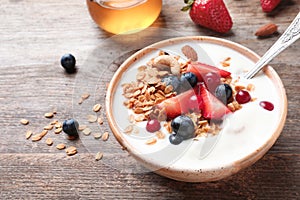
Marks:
<point>248,134</point>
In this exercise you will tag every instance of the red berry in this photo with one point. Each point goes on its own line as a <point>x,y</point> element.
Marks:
<point>242,97</point>
<point>153,125</point>
<point>269,5</point>
<point>211,14</point>
<point>267,105</point>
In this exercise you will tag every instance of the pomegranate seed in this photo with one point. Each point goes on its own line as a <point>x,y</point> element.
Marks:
<point>153,125</point>
<point>242,97</point>
<point>266,105</point>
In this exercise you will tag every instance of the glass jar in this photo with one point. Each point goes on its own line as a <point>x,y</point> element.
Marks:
<point>124,16</point>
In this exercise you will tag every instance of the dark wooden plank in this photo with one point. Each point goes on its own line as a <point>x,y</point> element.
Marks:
<point>276,176</point>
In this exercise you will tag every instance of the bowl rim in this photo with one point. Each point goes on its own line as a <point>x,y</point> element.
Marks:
<point>172,172</point>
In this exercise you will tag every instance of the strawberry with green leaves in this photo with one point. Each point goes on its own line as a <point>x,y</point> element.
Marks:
<point>211,14</point>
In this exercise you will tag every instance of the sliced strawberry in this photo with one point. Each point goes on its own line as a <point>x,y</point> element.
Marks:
<point>201,69</point>
<point>195,103</point>
<point>177,105</point>
<point>213,108</point>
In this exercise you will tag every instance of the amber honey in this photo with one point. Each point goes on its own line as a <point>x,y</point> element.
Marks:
<point>124,16</point>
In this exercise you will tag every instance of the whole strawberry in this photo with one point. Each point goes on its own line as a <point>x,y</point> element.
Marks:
<point>269,5</point>
<point>211,14</point>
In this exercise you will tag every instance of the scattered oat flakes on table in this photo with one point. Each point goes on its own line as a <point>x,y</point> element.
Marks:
<point>100,120</point>
<point>61,146</point>
<point>85,96</point>
<point>87,131</point>
<point>92,118</point>
<point>24,121</point>
<point>49,141</point>
<point>97,135</point>
<point>49,115</point>
<point>99,156</point>
<point>58,125</point>
<point>58,130</point>
<point>97,107</point>
<point>36,138</point>
<point>48,127</point>
<point>28,134</point>
<point>54,122</point>
<point>71,151</point>
<point>105,136</point>
<point>82,127</point>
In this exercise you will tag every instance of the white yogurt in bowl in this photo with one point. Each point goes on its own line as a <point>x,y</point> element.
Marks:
<point>246,135</point>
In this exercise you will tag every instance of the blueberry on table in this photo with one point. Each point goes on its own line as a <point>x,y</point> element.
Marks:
<point>183,126</point>
<point>70,127</point>
<point>175,139</point>
<point>188,80</point>
<point>68,62</point>
<point>173,81</point>
<point>224,93</point>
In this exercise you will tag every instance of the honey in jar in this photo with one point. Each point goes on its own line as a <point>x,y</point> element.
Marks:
<point>124,16</point>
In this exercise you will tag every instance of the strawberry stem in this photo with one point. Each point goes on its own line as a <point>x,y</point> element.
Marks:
<point>188,6</point>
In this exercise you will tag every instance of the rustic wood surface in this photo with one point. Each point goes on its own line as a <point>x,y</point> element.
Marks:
<point>35,34</point>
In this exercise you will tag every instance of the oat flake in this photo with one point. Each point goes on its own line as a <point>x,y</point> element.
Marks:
<point>24,121</point>
<point>36,138</point>
<point>49,141</point>
<point>87,131</point>
<point>97,135</point>
<point>92,118</point>
<point>49,115</point>
<point>97,107</point>
<point>60,146</point>
<point>100,120</point>
<point>48,127</point>
<point>85,96</point>
<point>82,127</point>
<point>71,151</point>
<point>28,134</point>
<point>151,141</point>
<point>105,136</point>
<point>58,130</point>
<point>99,156</point>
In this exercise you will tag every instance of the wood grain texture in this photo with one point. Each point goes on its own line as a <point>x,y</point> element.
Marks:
<point>35,34</point>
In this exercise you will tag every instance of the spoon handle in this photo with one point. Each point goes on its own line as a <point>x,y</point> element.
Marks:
<point>291,34</point>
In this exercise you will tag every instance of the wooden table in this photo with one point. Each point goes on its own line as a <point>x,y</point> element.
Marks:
<point>35,34</point>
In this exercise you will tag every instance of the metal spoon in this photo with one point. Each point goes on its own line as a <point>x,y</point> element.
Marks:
<point>291,34</point>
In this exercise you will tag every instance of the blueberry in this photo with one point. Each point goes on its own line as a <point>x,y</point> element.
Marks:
<point>172,80</point>
<point>68,62</point>
<point>175,139</point>
<point>70,127</point>
<point>183,126</point>
<point>188,80</point>
<point>224,93</point>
